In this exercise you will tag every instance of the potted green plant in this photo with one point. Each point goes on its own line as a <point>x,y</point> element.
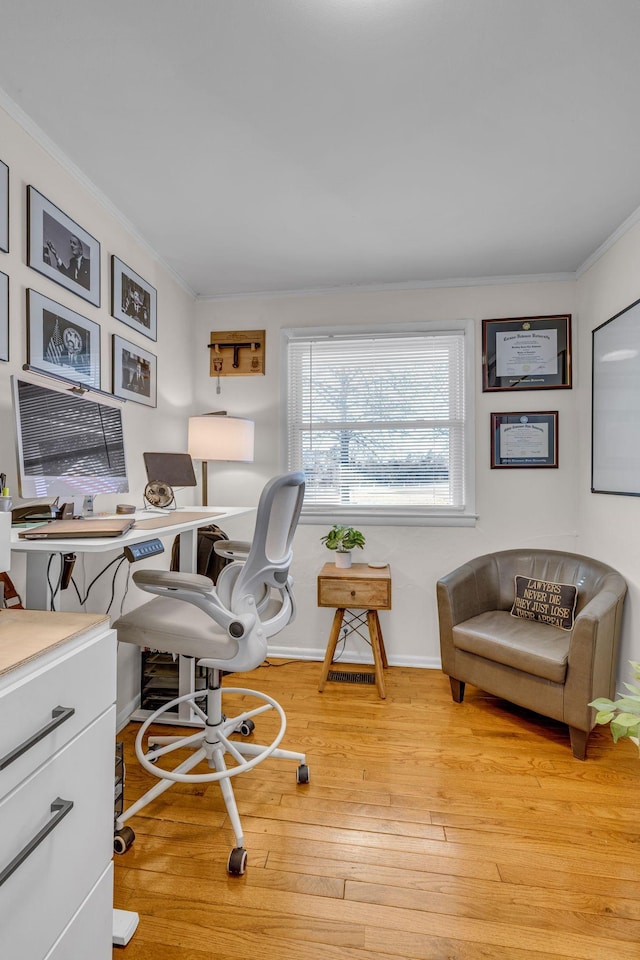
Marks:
<point>623,715</point>
<point>343,540</point>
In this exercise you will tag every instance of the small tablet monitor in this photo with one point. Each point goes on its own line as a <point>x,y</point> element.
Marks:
<point>176,469</point>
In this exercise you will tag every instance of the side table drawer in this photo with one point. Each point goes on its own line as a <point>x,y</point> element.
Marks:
<point>374,594</point>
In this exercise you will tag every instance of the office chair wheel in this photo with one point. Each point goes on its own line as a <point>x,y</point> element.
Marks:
<point>122,840</point>
<point>302,773</point>
<point>246,728</point>
<point>237,862</point>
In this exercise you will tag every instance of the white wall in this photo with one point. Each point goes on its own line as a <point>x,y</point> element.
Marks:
<point>516,507</point>
<point>609,525</point>
<point>551,508</point>
<point>164,428</point>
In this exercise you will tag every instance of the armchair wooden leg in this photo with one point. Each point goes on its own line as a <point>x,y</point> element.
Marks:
<point>457,689</point>
<point>578,742</point>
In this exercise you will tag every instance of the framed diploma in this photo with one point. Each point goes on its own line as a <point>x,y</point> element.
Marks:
<point>526,353</point>
<point>524,439</point>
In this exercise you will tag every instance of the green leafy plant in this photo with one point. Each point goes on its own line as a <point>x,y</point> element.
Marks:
<point>623,715</point>
<point>343,539</point>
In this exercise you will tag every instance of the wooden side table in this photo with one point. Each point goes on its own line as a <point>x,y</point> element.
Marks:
<point>359,587</point>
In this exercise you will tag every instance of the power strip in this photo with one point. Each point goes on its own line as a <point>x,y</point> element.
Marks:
<point>140,551</point>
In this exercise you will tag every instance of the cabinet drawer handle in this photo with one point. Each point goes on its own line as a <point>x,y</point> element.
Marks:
<point>353,593</point>
<point>59,715</point>
<point>60,808</point>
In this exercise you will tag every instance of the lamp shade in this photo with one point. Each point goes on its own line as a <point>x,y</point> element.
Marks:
<point>215,437</point>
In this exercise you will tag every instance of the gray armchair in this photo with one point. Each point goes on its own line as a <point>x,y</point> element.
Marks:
<point>552,671</point>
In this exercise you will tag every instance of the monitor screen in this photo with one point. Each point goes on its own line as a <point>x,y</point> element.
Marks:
<point>68,444</point>
<point>176,469</point>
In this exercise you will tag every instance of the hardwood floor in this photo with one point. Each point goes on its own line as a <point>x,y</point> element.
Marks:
<point>429,831</point>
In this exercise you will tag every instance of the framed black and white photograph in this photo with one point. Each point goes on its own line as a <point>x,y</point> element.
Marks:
<point>4,316</point>
<point>133,300</point>
<point>60,249</point>
<point>524,439</point>
<point>526,353</point>
<point>134,372</point>
<point>4,207</point>
<point>61,341</point>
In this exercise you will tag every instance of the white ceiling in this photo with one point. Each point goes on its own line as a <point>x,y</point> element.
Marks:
<point>276,145</point>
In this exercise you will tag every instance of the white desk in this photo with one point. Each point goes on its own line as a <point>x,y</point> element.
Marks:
<point>184,520</point>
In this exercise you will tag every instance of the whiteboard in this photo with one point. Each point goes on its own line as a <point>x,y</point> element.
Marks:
<point>615,446</point>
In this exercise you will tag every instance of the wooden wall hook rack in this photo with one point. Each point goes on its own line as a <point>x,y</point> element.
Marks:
<point>237,347</point>
<point>236,353</point>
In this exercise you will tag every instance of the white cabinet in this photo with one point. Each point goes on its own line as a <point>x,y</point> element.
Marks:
<point>57,729</point>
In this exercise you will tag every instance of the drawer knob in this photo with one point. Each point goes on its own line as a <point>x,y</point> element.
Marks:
<point>353,593</point>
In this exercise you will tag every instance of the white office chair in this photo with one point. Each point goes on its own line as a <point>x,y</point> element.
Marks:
<point>226,629</point>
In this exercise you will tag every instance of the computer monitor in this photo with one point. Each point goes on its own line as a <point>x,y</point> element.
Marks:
<point>69,445</point>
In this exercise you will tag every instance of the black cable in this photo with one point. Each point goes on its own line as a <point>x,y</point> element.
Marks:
<point>84,599</point>
<point>285,663</point>
<point>53,593</point>
<point>113,583</point>
<point>75,587</point>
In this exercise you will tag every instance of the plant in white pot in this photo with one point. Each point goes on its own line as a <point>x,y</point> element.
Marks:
<point>343,540</point>
<point>623,715</point>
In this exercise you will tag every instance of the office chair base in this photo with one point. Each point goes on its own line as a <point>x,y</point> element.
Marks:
<point>209,745</point>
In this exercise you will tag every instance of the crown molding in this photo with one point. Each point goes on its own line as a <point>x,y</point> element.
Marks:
<point>611,240</point>
<point>407,285</point>
<point>59,156</point>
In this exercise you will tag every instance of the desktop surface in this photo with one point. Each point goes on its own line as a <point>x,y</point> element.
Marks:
<point>173,522</point>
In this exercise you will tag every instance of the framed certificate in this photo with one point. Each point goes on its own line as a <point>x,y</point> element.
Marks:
<point>526,353</point>
<point>524,439</point>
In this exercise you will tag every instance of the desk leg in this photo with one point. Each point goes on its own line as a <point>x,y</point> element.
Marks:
<point>186,665</point>
<point>377,647</point>
<point>331,646</point>
<point>37,588</point>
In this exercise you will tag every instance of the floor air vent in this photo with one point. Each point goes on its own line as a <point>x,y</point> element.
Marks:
<point>351,676</point>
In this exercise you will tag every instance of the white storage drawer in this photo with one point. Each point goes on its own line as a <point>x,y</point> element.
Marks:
<point>88,936</point>
<point>82,679</point>
<point>45,891</point>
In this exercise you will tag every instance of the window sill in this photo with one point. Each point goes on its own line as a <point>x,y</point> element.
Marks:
<point>385,516</point>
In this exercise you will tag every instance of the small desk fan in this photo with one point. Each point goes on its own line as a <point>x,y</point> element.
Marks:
<point>157,493</point>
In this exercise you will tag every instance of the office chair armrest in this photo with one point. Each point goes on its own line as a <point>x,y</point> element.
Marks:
<point>172,580</point>
<point>233,549</point>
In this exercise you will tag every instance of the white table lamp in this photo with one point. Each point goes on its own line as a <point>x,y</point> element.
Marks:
<point>215,436</point>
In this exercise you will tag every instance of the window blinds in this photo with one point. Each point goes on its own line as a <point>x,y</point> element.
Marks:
<point>379,420</point>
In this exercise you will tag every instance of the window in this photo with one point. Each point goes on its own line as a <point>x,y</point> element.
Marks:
<point>380,422</point>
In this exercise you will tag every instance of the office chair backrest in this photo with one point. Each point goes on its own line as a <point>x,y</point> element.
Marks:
<point>267,564</point>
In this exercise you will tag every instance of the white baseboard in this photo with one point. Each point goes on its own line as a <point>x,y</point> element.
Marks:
<point>124,713</point>
<point>304,653</point>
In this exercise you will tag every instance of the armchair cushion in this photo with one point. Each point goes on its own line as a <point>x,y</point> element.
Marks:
<point>545,601</point>
<point>534,648</point>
